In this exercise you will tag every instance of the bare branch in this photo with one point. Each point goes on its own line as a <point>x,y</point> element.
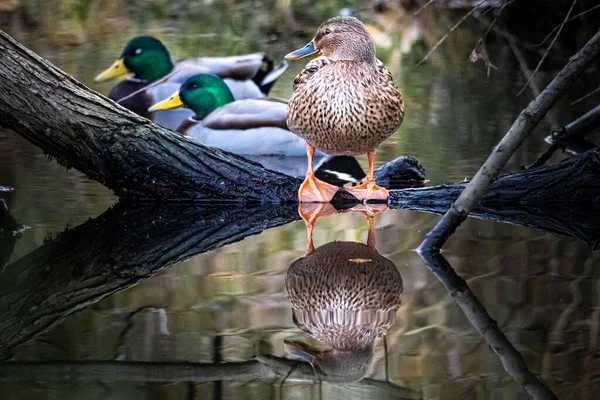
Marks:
<point>523,125</point>
<point>585,96</point>
<point>548,49</point>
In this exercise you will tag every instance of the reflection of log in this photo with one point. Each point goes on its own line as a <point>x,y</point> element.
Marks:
<point>512,360</point>
<point>115,250</point>
<point>264,368</point>
<point>111,253</point>
<point>563,198</point>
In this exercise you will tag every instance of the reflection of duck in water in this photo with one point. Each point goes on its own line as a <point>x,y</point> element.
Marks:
<point>345,295</point>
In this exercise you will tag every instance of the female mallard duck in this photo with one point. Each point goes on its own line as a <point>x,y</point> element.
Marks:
<point>155,77</point>
<point>246,127</point>
<point>345,295</point>
<point>344,102</point>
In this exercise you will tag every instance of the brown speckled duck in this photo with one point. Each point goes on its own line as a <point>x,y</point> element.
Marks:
<point>345,295</point>
<point>344,103</point>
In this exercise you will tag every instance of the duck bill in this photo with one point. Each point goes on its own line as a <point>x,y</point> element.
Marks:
<point>172,102</point>
<point>300,350</point>
<point>117,69</point>
<point>306,51</point>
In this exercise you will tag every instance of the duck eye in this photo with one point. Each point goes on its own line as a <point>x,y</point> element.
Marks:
<point>327,31</point>
<point>194,86</point>
<point>137,51</point>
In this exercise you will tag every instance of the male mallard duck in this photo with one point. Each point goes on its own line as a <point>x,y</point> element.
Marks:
<point>344,102</point>
<point>345,295</point>
<point>155,77</point>
<point>246,127</point>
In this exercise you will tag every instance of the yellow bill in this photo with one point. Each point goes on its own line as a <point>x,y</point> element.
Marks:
<point>117,69</point>
<point>306,51</point>
<point>172,102</point>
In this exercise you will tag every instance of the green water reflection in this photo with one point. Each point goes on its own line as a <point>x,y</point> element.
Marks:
<point>542,289</point>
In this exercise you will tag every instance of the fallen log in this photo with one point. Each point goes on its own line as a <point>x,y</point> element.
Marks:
<point>562,198</point>
<point>141,161</point>
<point>126,153</point>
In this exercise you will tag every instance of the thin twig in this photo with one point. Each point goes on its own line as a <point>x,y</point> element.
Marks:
<point>479,50</point>
<point>585,97</point>
<point>506,3</point>
<point>569,20</point>
<point>548,49</point>
<point>423,7</point>
<point>467,15</point>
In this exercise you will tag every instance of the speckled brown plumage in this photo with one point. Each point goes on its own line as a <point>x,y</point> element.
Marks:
<point>345,295</point>
<point>345,102</point>
<point>337,283</point>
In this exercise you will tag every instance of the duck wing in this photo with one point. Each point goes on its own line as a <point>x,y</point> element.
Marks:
<point>240,68</point>
<point>248,114</point>
<point>309,70</point>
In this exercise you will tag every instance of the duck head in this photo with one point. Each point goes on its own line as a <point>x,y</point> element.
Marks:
<point>145,57</point>
<point>333,365</point>
<point>339,38</point>
<point>202,93</point>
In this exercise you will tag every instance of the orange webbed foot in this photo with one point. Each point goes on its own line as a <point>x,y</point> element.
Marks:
<point>314,190</point>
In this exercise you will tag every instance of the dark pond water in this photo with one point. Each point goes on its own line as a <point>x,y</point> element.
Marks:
<point>207,284</point>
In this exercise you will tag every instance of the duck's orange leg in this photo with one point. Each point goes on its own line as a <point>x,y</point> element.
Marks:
<point>312,189</point>
<point>369,189</point>
<point>369,211</point>
<point>310,213</point>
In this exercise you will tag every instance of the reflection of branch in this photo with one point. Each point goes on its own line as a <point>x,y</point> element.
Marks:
<point>264,368</point>
<point>511,359</point>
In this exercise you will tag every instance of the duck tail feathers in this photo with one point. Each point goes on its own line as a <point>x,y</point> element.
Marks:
<point>268,74</point>
<point>272,76</point>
